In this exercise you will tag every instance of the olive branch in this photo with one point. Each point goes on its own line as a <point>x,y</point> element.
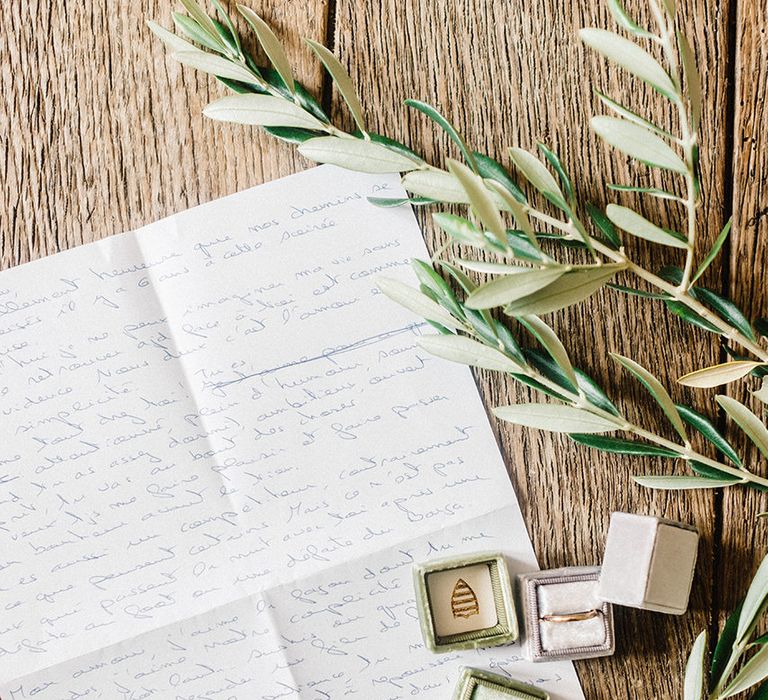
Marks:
<point>522,278</point>
<point>740,658</point>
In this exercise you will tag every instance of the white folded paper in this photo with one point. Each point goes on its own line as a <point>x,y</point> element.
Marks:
<point>222,451</point>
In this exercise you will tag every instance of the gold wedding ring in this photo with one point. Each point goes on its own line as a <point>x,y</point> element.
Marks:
<point>571,617</point>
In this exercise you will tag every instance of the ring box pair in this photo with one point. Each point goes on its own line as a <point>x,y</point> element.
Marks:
<point>567,613</point>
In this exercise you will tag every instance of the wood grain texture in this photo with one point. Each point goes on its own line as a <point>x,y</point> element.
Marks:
<point>101,134</point>
<point>745,540</point>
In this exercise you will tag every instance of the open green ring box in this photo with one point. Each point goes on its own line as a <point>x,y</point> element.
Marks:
<point>465,602</point>
<point>475,684</point>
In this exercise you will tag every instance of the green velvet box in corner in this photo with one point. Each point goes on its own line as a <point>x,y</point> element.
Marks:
<point>475,684</point>
<point>465,602</point>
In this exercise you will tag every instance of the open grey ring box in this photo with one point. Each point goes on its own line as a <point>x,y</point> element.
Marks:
<point>465,602</point>
<point>564,618</point>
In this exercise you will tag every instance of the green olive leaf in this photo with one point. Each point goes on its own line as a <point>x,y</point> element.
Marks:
<point>552,344</point>
<point>692,77</point>
<point>356,154</point>
<point>193,30</point>
<point>535,172</point>
<point>752,673</point>
<point>568,289</point>
<point>480,199</point>
<point>637,142</point>
<point>554,418</point>
<point>172,41</point>
<point>509,288</point>
<point>215,65</point>
<point>636,224</point>
<point>466,351</point>
<point>261,110</point>
<point>342,79</point>
<point>631,57</point>
<point>717,375</point>
<point>656,390</point>
<point>681,483</point>
<point>446,126</point>
<point>693,688</point>
<point>621,446</point>
<point>714,250</point>
<point>747,421</point>
<point>271,45</point>
<point>417,302</point>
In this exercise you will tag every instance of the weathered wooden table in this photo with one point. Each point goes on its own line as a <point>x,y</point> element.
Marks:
<point>102,134</point>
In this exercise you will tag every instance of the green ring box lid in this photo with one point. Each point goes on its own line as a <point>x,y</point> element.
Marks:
<point>475,684</point>
<point>504,632</point>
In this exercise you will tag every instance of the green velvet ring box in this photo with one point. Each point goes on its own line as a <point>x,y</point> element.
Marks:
<point>475,684</point>
<point>465,602</point>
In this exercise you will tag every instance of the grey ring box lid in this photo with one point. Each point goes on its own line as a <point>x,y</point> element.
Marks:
<point>649,563</point>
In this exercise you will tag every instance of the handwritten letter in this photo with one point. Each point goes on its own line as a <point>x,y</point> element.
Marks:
<point>222,452</point>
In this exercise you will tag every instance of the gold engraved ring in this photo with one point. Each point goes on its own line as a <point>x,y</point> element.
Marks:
<point>571,617</point>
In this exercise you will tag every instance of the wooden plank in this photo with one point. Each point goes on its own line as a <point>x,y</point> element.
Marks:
<point>743,540</point>
<point>106,134</point>
<point>513,73</point>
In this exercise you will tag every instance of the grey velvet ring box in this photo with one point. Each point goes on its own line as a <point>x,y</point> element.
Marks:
<point>465,602</point>
<point>563,616</point>
<point>475,684</point>
<point>649,563</point>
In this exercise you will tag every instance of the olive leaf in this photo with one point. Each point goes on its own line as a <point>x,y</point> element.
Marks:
<point>480,199</point>
<point>261,110</point>
<point>490,169</point>
<point>355,154</point>
<point>466,351</point>
<point>459,228</point>
<point>623,19</point>
<point>391,202</point>
<point>630,57</point>
<point>621,446</point>
<point>693,688</point>
<point>633,117</point>
<point>413,300</point>
<point>714,250</point>
<point>552,344</point>
<point>637,142</point>
<point>723,648</point>
<point>202,19</point>
<point>656,390</point>
<point>342,79</point>
<point>570,288</point>
<point>195,32</point>
<point>171,40</point>
<point>518,212</point>
<point>604,225</point>
<point>565,180</point>
<point>752,673</point>
<point>705,428</point>
<point>536,173</point>
<point>490,268</point>
<point>717,375</point>
<point>754,603</point>
<point>271,45</point>
<point>435,184</point>
<point>449,129</point>
<point>554,418</point>
<point>653,191</point>
<point>507,289</point>
<point>692,77</point>
<point>682,483</point>
<point>636,224</point>
<point>214,65</point>
<point>747,421</point>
